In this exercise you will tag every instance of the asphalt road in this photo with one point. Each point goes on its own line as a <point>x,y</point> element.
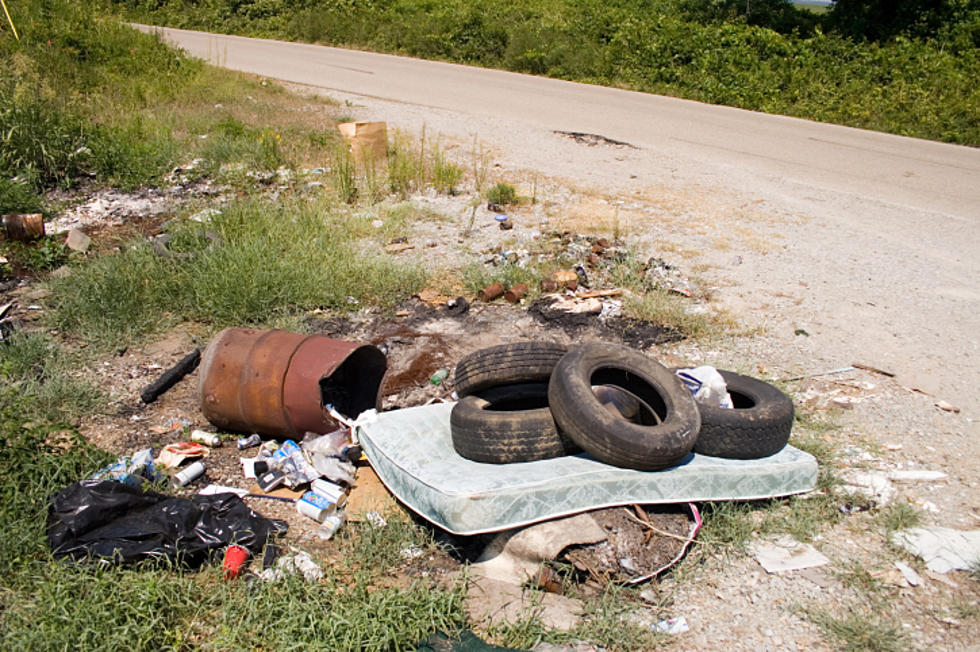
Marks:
<point>921,174</point>
<point>882,241</point>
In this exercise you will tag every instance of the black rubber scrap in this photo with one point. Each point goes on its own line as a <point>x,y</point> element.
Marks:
<point>758,426</point>
<point>503,425</point>
<point>507,364</point>
<point>171,376</point>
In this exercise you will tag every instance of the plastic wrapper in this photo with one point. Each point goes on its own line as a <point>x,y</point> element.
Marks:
<point>131,470</point>
<point>332,444</point>
<point>116,522</point>
<point>707,385</point>
<point>298,471</point>
<point>334,469</point>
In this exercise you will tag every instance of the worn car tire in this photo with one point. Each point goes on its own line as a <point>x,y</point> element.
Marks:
<point>507,424</point>
<point>507,364</point>
<point>669,422</point>
<point>758,426</point>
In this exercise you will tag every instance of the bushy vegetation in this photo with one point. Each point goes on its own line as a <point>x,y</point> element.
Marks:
<point>916,76</point>
<point>71,93</point>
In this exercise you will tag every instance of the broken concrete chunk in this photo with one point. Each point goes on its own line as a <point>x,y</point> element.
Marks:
<point>78,241</point>
<point>942,549</point>
<point>785,554</point>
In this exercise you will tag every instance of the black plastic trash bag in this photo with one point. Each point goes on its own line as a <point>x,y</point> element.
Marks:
<point>115,522</point>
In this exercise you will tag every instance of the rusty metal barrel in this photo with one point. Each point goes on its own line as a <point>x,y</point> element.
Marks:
<point>278,383</point>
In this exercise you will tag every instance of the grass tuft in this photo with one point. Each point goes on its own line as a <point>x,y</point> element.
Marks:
<point>860,629</point>
<point>268,260</point>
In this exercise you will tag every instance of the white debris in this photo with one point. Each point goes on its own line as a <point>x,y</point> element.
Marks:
<point>785,554</point>
<point>915,475</point>
<point>913,578</point>
<point>672,626</point>
<point>298,562</point>
<point>871,484</point>
<point>942,549</point>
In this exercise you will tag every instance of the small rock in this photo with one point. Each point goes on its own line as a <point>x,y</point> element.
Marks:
<point>77,240</point>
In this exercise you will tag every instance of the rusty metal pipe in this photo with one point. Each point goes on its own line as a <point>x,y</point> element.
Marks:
<point>277,383</point>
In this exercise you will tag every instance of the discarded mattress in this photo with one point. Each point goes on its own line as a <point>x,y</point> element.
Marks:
<point>412,452</point>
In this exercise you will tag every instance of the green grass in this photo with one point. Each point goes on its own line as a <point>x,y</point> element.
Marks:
<point>899,516</point>
<point>605,619</point>
<point>732,524</point>
<point>270,260</point>
<point>860,629</point>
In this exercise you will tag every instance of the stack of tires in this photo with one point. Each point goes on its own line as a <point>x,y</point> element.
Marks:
<point>529,401</point>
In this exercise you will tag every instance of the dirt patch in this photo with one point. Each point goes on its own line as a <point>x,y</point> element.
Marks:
<point>641,542</point>
<point>633,332</point>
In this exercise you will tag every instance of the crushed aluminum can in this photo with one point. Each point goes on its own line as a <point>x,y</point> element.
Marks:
<point>249,442</point>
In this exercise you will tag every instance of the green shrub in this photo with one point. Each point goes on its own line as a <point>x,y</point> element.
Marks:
<point>502,193</point>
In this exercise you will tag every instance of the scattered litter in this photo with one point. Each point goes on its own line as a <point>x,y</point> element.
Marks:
<point>491,601</point>
<point>913,578</point>
<point>491,292</point>
<point>171,377</point>
<point>172,425</point>
<point>942,549</point>
<point>947,407</point>
<point>189,475</point>
<point>412,552</point>
<point>173,455</point>
<point>786,554</point>
<point>516,293</point>
<point>209,439</point>
<point>297,562</point>
<point>316,506</point>
<point>213,489</point>
<point>366,141</point>
<point>398,247</point>
<point>376,519</point>
<point>235,558</point>
<point>248,442</point>
<point>672,626</point>
<point>457,306</point>
<point>331,525</point>
<point>131,470</point>
<point>439,376</point>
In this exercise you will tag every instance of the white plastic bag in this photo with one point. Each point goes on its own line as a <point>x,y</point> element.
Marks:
<point>707,385</point>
